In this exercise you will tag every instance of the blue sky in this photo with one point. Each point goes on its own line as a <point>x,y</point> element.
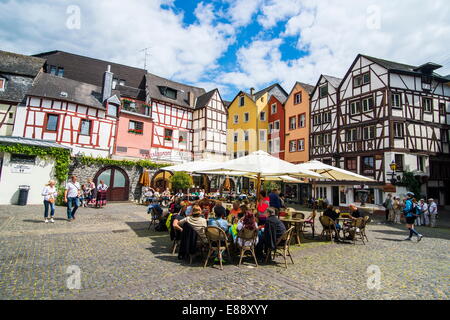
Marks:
<point>233,44</point>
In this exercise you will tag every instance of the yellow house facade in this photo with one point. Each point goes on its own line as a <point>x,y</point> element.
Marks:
<point>248,121</point>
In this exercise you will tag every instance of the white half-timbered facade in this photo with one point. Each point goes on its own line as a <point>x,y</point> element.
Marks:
<point>393,113</point>
<point>70,113</point>
<point>188,121</point>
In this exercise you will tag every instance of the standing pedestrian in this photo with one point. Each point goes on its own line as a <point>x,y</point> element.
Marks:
<point>397,209</point>
<point>418,209</point>
<point>432,211</point>
<point>102,188</point>
<point>49,193</point>
<point>71,197</point>
<point>410,212</point>
<point>388,204</point>
<point>425,215</point>
<point>275,201</point>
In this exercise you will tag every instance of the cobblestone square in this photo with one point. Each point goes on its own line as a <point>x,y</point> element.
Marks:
<point>120,258</point>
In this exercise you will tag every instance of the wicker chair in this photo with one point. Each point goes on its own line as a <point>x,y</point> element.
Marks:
<point>248,240</point>
<point>355,230</point>
<point>218,242</point>
<point>329,226</point>
<point>155,216</point>
<point>311,223</point>
<point>283,245</point>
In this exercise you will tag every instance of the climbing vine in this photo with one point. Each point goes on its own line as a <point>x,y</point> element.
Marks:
<point>59,155</point>
<point>88,161</point>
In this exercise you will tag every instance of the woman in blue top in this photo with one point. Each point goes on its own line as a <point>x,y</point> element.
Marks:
<point>409,212</point>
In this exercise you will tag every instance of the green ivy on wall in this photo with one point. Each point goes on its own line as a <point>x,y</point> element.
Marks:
<point>87,161</point>
<point>59,155</point>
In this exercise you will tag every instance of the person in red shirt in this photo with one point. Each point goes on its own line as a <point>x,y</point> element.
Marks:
<point>263,205</point>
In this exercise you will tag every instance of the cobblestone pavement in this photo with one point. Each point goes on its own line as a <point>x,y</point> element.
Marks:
<point>120,259</point>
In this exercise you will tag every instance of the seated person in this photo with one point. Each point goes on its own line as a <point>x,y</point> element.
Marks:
<point>219,221</point>
<point>249,223</point>
<point>234,212</point>
<point>233,229</point>
<point>156,208</point>
<point>333,215</point>
<point>219,208</point>
<point>197,222</point>
<point>355,213</point>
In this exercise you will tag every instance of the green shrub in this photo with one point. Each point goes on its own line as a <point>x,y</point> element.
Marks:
<point>181,180</point>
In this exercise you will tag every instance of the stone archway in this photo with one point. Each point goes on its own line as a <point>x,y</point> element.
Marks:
<point>161,180</point>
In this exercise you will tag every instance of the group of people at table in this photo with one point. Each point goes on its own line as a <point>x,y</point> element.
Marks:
<point>262,216</point>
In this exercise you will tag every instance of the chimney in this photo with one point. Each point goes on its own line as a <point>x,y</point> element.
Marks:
<point>107,84</point>
<point>191,99</point>
<point>252,91</point>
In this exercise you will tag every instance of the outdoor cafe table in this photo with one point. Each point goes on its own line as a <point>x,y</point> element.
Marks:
<point>297,223</point>
<point>342,221</point>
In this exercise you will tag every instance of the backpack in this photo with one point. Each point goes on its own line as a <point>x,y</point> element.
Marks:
<point>417,210</point>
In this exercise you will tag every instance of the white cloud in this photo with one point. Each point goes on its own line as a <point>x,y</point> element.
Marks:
<point>334,32</point>
<point>113,31</point>
<point>241,12</point>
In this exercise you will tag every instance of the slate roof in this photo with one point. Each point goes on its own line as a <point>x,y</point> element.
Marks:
<point>309,88</point>
<point>31,142</point>
<point>19,64</point>
<point>155,83</point>
<point>259,94</point>
<point>50,86</point>
<point>203,100</point>
<point>16,88</point>
<point>401,67</point>
<point>334,81</point>
<point>91,71</point>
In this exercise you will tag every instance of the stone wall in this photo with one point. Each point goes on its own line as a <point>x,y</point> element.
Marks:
<point>84,172</point>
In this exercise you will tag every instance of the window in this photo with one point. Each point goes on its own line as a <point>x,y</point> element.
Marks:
<point>52,122</point>
<point>246,135</point>
<point>147,110</point>
<point>352,135</point>
<point>318,140</point>
<point>136,127</point>
<point>421,163</point>
<point>2,84</point>
<point>85,128</point>
<point>427,104</point>
<point>262,135</point>
<point>399,161</point>
<point>323,91</point>
<point>169,93</point>
<point>236,137</point>
<point>398,130</point>
<point>235,155</point>
<point>302,121</point>
<point>122,82</point>
<point>273,109</point>
<point>276,126</point>
<point>441,107</point>
<point>236,119</point>
<point>122,149</point>
<point>241,101</point>
<point>22,158</point>
<point>367,104</point>
<point>317,119</point>
<point>183,137</point>
<point>293,146</point>
<point>298,98</point>
<point>368,166</point>
<point>444,135</point>
<point>351,164</point>
<point>327,139</point>
<point>292,123</point>
<point>11,115</point>
<point>271,127</point>
<point>396,101</point>
<point>112,110</point>
<point>369,133</point>
<point>301,145</point>
<point>168,134</point>
<point>355,107</point>
<point>361,80</point>
<point>53,70</point>
<point>326,117</point>
<point>262,116</point>
<point>246,117</point>
<point>61,72</point>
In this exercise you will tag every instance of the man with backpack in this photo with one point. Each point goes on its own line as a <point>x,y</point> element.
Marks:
<point>411,212</point>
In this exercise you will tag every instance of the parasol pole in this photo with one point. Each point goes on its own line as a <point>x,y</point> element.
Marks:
<point>258,185</point>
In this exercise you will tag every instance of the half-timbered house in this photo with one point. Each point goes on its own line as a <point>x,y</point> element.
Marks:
<point>391,113</point>
<point>71,113</point>
<point>17,73</point>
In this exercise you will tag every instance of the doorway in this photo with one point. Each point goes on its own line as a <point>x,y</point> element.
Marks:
<point>117,181</point>
<point>335,193</point>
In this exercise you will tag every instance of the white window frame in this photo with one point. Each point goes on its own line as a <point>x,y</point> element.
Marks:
<point>262,116</point>
<point>302,120</point>
<point>427,107</point>
<point>368,134</point>
<point>399,128</point>
<point>263,135</point>
<point>293,146</point>
<point>293,126</point>
<point>273,108</point>
<point>396,100</point>
<point>301,146</point>
<point>366,105</point>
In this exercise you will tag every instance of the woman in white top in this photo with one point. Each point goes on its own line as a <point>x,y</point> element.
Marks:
<point>101,194</point>
<point>49,193</point>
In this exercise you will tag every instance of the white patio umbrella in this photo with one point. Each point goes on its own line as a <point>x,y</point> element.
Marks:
<point>191,167</point>
<point>260,164</point>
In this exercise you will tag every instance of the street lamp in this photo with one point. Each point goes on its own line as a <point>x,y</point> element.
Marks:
<point>393,166</point>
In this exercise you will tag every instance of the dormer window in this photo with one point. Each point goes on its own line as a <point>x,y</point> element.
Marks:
<point>114,83</point>
<point>2,84</point>
<point>168,92</point>
<point>426,82</point>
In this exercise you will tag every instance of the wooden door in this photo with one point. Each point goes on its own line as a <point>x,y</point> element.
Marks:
<point>118,182</point>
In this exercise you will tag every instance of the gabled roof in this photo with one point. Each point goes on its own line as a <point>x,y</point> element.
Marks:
<point>32,142</point>
<point>155,83</point>
<point>259,94</point>
<point>54,87</point>
<point>334,81</point>
<point>18,64</point>
<point>308,88</point>
<point>405,68</point>
<point>91,71</point>
<point>203,100</point>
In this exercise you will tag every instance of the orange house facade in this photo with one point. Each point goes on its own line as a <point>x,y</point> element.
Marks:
<point>134,130</point>
<point>297,121</point>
